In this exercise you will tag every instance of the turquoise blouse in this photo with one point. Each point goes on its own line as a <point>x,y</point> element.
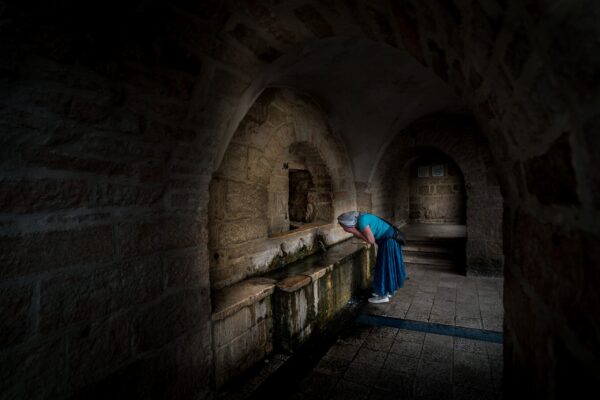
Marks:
<point>379,227</point>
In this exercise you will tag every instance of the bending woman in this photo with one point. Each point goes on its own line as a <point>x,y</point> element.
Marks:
<point>389,266</point>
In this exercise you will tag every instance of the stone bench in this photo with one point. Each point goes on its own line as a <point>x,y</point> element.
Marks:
<point>281,309</point>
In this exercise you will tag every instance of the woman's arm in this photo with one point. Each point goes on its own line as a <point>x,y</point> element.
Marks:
<point>366,235</point>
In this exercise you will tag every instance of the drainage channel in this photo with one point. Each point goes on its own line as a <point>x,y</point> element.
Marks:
<point>430,327</point>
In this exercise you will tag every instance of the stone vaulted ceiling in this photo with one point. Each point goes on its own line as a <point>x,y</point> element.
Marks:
<point>370,91</point>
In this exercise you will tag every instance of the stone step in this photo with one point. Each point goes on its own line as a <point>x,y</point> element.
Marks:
<point>429,249</point>
<point>432,241</point>
<point>443,268</point>
<point>429,260</point>
<point>426,255</point>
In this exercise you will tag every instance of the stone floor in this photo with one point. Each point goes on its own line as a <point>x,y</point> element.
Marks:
<point>381,362</point>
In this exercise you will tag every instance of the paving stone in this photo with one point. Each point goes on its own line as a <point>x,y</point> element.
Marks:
<point>401,385</point>
<point>434,370</point>
<point>408,349</point>
<point>362,373</point>
<point>384,332</point>
<point>472,369</point>
<point>400,364</point>
<point>344,351</point>
<point>378,343</point>
<point>317,385</point>
<point>441,340</point>
<point>445,319</point>
<point>471,393</point>
<point>422,316</point>
<point>494,349</point>
<point>410,336</point>
<point>345,390</point>
<point>371,357</point>
<point>493,324</point>
<point>382,394</point>
<point>429,389</point>
<point>470,346</point>
<point>469,322</point>
<point>332,366</point>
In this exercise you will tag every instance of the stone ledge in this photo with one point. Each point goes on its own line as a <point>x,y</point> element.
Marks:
<point>231,299</point>
<point>293,283</point>
<point>301,229</point>
<point>295,276</point>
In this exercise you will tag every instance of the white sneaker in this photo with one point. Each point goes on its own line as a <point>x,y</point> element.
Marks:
<point>375,295</point>
<point>379,299</point>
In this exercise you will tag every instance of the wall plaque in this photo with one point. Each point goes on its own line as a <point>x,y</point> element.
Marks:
<point>437,170</point>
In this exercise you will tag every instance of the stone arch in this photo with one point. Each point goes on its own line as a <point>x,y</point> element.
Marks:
<point>280,126</point>
<point>457,137</point>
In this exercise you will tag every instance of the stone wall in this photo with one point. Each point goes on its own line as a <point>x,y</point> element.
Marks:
<point>249,192</point>
<point>436,199</point>
<point>458,138</point>
<point>104,289</point>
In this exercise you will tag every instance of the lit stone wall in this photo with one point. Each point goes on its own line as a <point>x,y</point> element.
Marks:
<point>436,199</point>
<point>249,191</point>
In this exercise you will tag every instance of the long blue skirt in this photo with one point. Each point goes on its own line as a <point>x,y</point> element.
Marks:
<point>389,267</point>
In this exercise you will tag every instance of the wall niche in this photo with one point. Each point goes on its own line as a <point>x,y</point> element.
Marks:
<point>281,180</point>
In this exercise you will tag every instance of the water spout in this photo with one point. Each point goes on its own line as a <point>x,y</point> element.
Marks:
<point>320,240</point>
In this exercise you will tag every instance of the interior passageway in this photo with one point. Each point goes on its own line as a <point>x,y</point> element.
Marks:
<point>171,172</point>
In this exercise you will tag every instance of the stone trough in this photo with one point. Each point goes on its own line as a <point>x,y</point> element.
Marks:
<point>280,310</point>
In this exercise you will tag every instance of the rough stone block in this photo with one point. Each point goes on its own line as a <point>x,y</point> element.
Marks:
<point>245,201</point>
<point>314,21</point>
<point>172,316</point>
<point>38,252</point>
<point>35,372</point>
<point>259,167</point>
<point>15,305</point>
<point>227,329</point>
<point>186,269</point>
<point>235,162</point>
<point>94,293</point>
<point>26,196</point>
<point>242,231</point>
<point>97,348</point>
<point>551,176</point>
<point>242,353</point>
<point>256,44</point>
<point>135,239</point>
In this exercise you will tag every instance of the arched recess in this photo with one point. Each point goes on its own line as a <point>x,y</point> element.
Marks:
<point>457,137</point>
<point>300,189</point>
<point>436,189</point>
<point>248,192</point>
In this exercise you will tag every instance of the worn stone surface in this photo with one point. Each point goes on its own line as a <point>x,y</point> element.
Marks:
<point>438,199</point>
<point>254,195</point>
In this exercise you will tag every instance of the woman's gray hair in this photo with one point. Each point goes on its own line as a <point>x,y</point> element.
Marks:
<point>348,219</point>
